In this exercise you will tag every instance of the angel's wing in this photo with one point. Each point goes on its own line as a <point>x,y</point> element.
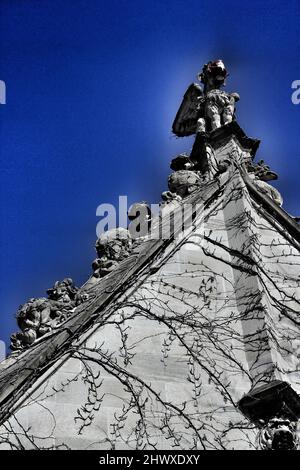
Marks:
<point>185,122</point>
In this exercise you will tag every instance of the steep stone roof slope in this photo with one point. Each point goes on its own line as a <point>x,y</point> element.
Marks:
<point>177,333</point>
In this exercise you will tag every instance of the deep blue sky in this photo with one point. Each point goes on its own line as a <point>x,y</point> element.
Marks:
<point>92,90</point>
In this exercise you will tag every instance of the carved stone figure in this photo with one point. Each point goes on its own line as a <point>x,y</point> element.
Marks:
<point>262,171</point>
<point>273,408</point>
<point>219,106</point>
<point>219,110</point>
<point>279,433</point>
<point>182,162</point>
<point>39,316</point>
<point>112,247</point>
<point>267,189</point>
<point>204,110</point>
<point>183,182</point>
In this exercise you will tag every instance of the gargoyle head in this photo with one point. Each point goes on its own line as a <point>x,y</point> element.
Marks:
<point>62,288</point>
<point>114,244</point>
<point>213,74</point>
<point>183,182</point>
<point>279,433</point>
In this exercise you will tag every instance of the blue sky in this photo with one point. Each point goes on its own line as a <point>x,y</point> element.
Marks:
<point>92,89</point>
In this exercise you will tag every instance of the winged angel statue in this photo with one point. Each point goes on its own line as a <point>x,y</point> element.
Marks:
<point>204,110</point>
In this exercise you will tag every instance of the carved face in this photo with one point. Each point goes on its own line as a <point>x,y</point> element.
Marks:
<point>114,244</point>
<point>183,182</point>
<point>279,434</point>
<point>116,249</point>
<point>62,289</point>
<point>213,72</point>
<point>30,312</point>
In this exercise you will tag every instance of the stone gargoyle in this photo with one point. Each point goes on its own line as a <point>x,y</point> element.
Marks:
<point>183,182</point>
<point>279,433</point>
<point>112,247</point>
<point>260,174</point>
<point>40,316</point>
<point>207,109</point>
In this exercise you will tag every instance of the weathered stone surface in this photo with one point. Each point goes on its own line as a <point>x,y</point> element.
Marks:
<point>275,408</point>
<point>112,247</point>
<point>40,316</point>
<point>183,182</point>
<point>206,110</point>
<point>267,189</point>
<point>168,196</point>
<point>280,433</point>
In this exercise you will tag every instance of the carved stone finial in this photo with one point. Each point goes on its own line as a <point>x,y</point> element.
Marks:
<point>40,316</point>
<point>112,247</point>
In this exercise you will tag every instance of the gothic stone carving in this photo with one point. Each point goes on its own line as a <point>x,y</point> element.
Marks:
<point>183,182</point>
<point>262,171</point>
<point>39,316</point>
<point>279,433</point>
<point>208,109</point>
<point>112,247</point>
<point>219,106</point>
<point>266,188</point>
<point>182,162</point>
<point>274,408</point>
